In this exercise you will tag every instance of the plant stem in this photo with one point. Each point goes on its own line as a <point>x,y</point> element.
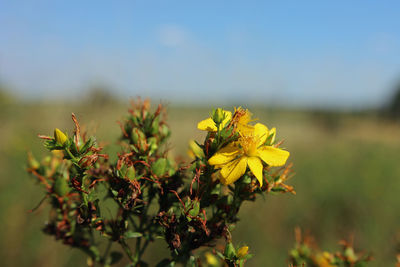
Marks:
<point>127,251</point>
<point>137,250</point>
<point>107,251</point>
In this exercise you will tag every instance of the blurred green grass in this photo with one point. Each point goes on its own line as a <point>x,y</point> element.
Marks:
<point>347,180</point>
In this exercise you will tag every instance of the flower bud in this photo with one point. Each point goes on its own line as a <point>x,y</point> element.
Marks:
<point>60,137</point>
<point>242,252</point>
<point>165,130</point>
<point>137,136</point>
<point>32,162</point>
<point>196,149</point>
<point>60,186</point>
<point>131,173</point>
<point>230,251</point>
<point>195,209</point>
<point>152,141</point>
<point>159,166</point>
<point>350,255</point>
<point>155,126</point>
<point>218,115</point>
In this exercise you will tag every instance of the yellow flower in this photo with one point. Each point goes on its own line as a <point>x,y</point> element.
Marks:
<point>243,118</point>
<point>59,136</point>
<point>209,124</point>
<point>242,251</point>
<point>323,259</point>
<point>211,259</point>
<point>249,150</point>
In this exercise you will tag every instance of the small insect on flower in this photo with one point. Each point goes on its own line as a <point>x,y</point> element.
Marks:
<point>250,150</point>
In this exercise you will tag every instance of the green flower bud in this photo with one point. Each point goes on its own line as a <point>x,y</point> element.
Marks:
<point>155,126</point>
<point>195,209</point>
<point>152,141</point>
<point>230,251</point>
<point>32,162</point>
<point>171,167</point>
<point>165,130</point>
<point>159,167</point>
<point>60,137</point>
<point>246,179</point>
<point>294,254</point>
<point>60,186</point>
<point>218,116</point>
<point>137,136</point>
<point>305,251</point>
<point>131,173</point>
<point>350,255</point>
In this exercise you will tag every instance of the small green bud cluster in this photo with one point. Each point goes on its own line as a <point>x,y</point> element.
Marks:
<point>218,116</point>
<point>65,174</point>
<point>143,129</point>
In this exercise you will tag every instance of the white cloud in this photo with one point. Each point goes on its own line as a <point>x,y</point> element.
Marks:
<point>171,35</point>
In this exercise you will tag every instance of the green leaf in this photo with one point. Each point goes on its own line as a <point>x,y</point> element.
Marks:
<point>89,143</point>
<point>219,254</point>
<point>131,234</point>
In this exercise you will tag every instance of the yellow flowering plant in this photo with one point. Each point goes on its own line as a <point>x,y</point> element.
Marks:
<point>248,149</point>
<point>189,205</point>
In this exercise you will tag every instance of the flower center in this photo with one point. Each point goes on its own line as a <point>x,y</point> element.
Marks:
<point>249,145</point>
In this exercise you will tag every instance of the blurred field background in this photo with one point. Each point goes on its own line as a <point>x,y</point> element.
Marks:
<point>324,74</point>
<point>347,179</point>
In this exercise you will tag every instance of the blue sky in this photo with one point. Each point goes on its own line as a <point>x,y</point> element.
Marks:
<point>319,53</point>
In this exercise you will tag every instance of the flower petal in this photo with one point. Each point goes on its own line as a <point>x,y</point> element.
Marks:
<point>261,132</point>
<point>256,168</point>
<point>273,156</point>
<point>233,170</point>
<point>272,133</point>
<point>207,125</point>
<point>228,117</point>
<point>224,155</point>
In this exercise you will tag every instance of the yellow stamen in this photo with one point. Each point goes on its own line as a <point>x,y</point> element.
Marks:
<point>249,145</point>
